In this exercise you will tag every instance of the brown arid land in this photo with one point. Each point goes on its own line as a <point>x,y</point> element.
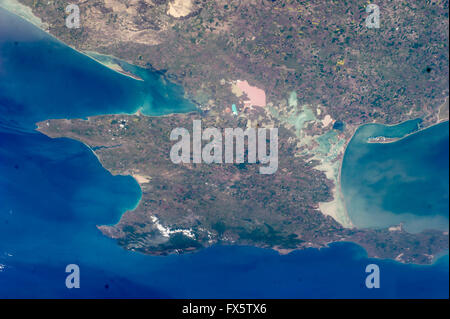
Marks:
<point>317,64</point>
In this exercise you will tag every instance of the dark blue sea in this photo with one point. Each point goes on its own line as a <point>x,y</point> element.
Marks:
<point>53,193</point>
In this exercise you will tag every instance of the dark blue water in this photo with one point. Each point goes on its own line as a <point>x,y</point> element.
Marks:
<point>53,193</point>
<point>406,181</point>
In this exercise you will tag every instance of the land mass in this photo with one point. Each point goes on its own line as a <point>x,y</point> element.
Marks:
<point>185,207</point>
<point>311,68</point>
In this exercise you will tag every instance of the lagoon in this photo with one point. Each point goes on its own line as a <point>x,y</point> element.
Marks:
<point>42,78</point>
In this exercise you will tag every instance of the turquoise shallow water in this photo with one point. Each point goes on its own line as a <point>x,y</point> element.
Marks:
<point>53,193</point>
<point>405,181</point>
<point>41,78</point>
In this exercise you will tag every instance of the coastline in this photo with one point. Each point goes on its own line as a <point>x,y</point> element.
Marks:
<point>391,140</point>
<point>120,267</point>
<point>363,139</point>
<point>138,201</point>
<point>337,191</point>
<point>41,126</point>
<point>336,207</point>
<point>337,204</point>
<point>111,65</point>
<point>26,13</point>
<point>396,139</point>
<point>330,208</point>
